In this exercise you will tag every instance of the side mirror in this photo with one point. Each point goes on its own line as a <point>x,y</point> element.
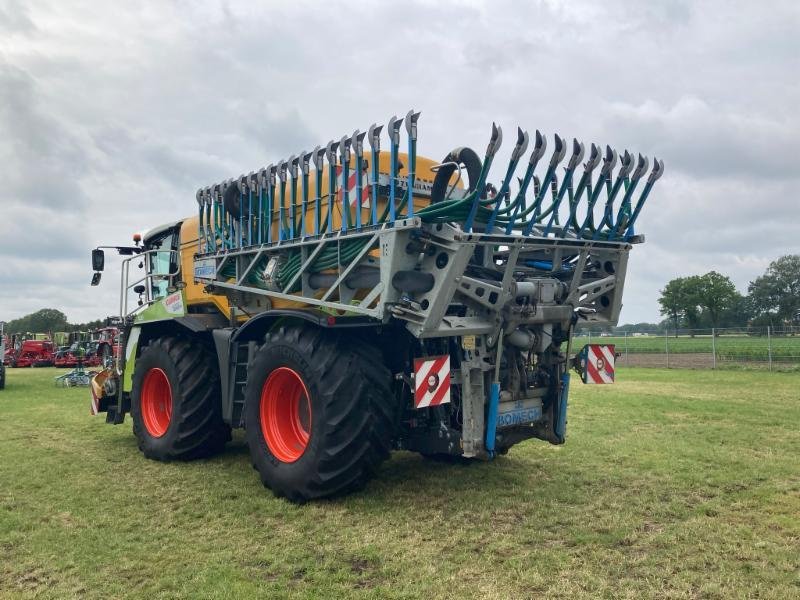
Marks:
<point>98,259</point>
<point>96,278</point>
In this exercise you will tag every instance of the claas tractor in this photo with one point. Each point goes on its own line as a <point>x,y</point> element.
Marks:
<point>353,300</point>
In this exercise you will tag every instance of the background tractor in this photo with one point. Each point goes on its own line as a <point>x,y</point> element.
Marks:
<point>376,300</point>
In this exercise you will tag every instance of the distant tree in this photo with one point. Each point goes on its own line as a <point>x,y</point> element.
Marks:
<point>698,300</point>
<point>680,302</point>
<point>49,320</point>
<point>638,328</point>
<point>692,289</point>
<point>739,313</point>
<point>776,294</point>
<point>42,321</point>
<point>716,294</point>
<point>673,301</point>
<point>87,326</point>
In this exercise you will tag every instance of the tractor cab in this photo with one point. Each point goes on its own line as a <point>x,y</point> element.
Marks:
<point>150,271</point>
<point>162,262</point>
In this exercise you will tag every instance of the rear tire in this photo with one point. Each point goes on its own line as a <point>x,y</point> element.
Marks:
<point>175,401</point>
<point>319,413</point>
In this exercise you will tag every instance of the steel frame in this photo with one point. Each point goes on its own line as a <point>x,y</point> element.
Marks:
<point>597,295</point>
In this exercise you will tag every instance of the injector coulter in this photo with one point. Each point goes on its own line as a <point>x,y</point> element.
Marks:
<point>352,300</point>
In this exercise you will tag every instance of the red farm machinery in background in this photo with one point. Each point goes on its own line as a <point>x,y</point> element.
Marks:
<point>62,349</point>
<point>75,348</point>
<point>89,348</point>
<point>104,345</point>
<point>29,350</point>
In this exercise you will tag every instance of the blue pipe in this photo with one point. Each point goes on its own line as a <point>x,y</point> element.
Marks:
<point>491,420</point>
<point>241,217</point>
<point>249,215</point>
<point>374,189</point>
<point>560,428</point>
<point>270,198</point>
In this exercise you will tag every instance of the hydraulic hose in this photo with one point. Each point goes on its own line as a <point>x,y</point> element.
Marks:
<point>466,156</point>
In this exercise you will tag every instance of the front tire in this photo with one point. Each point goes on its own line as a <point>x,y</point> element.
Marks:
<point>319,413</point>
<point>175,401</point>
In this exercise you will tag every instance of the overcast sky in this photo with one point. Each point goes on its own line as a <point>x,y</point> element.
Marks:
<point>112,114</point>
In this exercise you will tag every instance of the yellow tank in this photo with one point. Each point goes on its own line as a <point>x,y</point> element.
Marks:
<point>195,294</point>
<point>424,177</point>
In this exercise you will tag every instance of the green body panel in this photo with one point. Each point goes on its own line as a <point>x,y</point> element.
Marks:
<point>130,358</point>
<point>162,309</point>
<point>168,307</point>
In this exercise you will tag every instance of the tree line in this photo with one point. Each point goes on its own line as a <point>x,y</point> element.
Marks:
<point>711,300</point>
<point>46,320</point>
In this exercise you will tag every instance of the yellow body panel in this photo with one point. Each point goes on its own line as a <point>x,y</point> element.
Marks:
<point>424,175</point>
<point>194,293</point>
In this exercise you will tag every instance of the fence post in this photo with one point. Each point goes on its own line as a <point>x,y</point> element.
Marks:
<point>626,348</point>
<point>714,348</point>
<point>666,343</point>
<point>769,346</point>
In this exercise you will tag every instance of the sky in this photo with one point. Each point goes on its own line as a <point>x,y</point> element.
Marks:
<point>113,114</point>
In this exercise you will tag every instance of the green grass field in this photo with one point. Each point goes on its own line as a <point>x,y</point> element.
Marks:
<point>742,347</point>
<point>672,484</point>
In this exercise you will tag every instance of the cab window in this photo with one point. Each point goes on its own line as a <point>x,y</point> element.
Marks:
<point>162,264</point>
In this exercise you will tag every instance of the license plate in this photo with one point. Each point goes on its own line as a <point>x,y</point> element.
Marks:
<point>519,416</point>
<point>205,268</point>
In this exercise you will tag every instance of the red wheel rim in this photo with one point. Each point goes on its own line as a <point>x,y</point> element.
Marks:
<point>285,413</point>
<point>156,402</point>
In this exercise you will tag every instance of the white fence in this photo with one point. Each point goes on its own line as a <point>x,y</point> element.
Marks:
<point>772,348</point>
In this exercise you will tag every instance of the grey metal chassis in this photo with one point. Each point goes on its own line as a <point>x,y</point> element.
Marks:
<point>497,290</point>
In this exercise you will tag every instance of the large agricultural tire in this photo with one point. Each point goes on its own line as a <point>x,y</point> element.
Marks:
<point>175,401</point>
<point>319,412</point>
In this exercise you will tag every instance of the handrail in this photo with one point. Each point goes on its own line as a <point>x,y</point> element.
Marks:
<point>126,286</point>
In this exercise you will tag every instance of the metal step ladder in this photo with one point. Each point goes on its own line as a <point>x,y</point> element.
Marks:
<point>240,357</point>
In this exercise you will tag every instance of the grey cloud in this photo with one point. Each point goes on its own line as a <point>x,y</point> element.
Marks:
<point>101,138</point>
<point>277,133</point>
<point>710,141</point>
<point>33,232</point>
<point>42,160</point>
<point>15,18</point>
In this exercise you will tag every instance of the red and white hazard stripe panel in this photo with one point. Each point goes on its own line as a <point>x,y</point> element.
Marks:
<point>431,381</point>
<point>599,363</point>
<point>351,189</point>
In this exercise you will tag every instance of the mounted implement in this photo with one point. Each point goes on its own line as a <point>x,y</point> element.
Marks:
<point>379,300</point>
